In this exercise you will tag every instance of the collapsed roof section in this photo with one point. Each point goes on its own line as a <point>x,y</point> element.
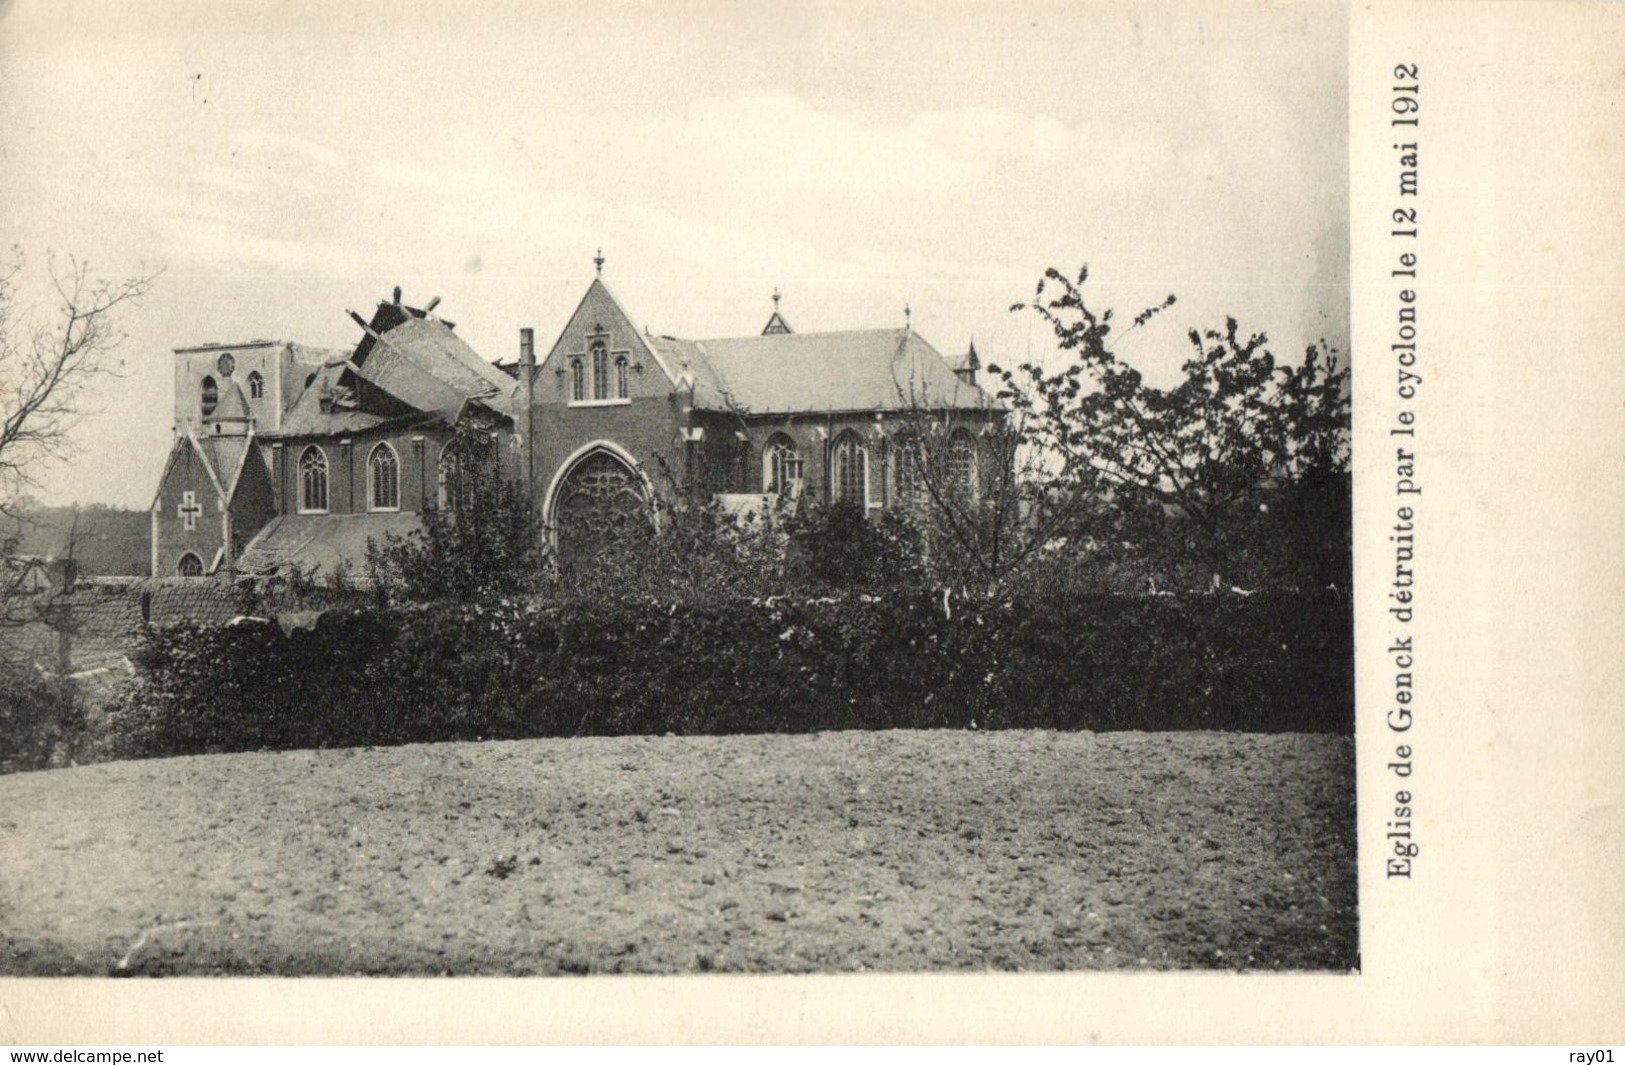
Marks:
<point>321,544</point>
<point>409,368</point>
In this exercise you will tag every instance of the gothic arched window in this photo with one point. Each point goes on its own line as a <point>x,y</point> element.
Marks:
<point>578,381</point>
<point>313,481</point>
<point>190,566</point>
<point>449,473</point>
<point>211,396</point>
<point>384,479</point>
<point>961,465</point>
<point>600,370</point>
<point>849,469</point>
<point>782,466</point>
<point>623,386</point>
<point>600,503</point>
<point>908,470</point>
<point>256,385</point>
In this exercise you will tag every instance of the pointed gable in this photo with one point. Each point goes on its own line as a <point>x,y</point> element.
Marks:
<point>189,457</point>
<point>601,314</point>
<point>186,509</point>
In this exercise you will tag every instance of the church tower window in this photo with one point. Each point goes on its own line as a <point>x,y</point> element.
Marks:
<point>313,481</point>
<point>849,469</point>
<point>210,396</point>
<point>384,478</point>
<point>623,386</point>
<point>256,385</point>
<point>578,381</point>
<point>190,566</point>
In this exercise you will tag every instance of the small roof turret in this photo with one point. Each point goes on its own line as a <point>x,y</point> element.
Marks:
<point>776,325</point>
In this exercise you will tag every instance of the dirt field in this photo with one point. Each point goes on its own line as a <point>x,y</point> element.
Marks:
<point>892,851</point>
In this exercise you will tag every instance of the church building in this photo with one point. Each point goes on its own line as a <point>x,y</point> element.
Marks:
<point>323,451</point>
<point>288,458</point>
<point>211,497</point>
<point>619,410</point>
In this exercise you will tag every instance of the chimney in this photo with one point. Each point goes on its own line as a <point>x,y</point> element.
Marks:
<point>527,380</point>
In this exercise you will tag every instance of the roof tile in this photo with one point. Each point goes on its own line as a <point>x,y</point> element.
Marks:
<point>316,544</point>
<point>789,373</point>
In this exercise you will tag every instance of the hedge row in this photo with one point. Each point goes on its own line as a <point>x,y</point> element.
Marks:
<point>523,669</point>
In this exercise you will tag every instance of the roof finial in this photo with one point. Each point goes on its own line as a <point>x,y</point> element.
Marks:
<point>598,261</point>
<point>908,313</point>
<point>777,295</point>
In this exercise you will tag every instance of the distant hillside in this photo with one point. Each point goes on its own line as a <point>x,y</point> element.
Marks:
<point>107,541</point>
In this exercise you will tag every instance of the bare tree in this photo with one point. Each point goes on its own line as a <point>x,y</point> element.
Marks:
<point>47,367</point>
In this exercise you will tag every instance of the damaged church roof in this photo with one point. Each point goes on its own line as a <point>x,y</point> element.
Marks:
<point>320,543</point>
<point>422,363</point>
<point>408,368</point>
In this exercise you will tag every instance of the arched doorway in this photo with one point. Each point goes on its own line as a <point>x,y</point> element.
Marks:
<point>599,501</point>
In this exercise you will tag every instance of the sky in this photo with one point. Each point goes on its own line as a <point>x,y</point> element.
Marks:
<point>284,163</point>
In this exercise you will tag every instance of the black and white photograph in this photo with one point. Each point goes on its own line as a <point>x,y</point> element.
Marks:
<point>571,490</point>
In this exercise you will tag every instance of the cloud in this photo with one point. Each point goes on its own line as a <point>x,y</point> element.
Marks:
<point>215,242</point>
<point>780,142</point>
<point>228,179</point>
<point>266,143</point>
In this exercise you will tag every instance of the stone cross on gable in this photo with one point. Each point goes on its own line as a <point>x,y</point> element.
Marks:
<point>189,510</point>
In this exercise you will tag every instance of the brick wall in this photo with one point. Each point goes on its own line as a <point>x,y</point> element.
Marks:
<point>417,452</point>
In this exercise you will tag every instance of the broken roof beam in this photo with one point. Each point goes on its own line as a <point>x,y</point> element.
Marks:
<point>366,327</point>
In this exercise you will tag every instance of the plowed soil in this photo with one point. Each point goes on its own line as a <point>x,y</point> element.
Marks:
<point>889,851</point>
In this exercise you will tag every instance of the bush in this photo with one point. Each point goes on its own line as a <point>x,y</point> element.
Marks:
<point>487,539</point>
<point>838,547</point>
<point>523,668</point>
<point>42,722</point>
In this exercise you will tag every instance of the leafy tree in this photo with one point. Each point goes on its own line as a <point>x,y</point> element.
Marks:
<point>1210,454</point>
<point>486,542</point>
